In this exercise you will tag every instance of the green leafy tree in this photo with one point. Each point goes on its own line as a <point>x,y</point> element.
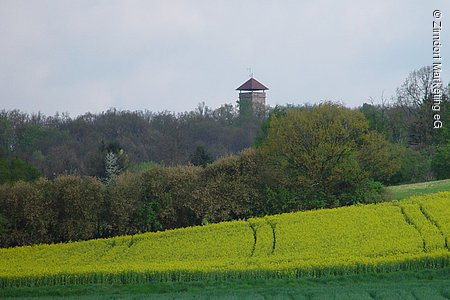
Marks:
<point>261,135</point>
<point>77,203</point>
<point>314,152</point>
<point>201,157</point>
<point>245,110</point>
<point>228,188</point>
<point>441,162</point>
<point>378,157</point>
<point>415,165</point>
<point>12,170</point>
<point>123,213</point>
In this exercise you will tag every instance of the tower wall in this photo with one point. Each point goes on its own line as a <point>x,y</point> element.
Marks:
<point>258,101</point>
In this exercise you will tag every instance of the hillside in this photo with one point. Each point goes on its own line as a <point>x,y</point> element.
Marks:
<point>417,189</point>
<point>411,234</point>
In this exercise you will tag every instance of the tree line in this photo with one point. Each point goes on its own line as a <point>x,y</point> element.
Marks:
<point>310,157</point>
<point>298,158</point>
<point>60,145</point>
<point>406,120</point>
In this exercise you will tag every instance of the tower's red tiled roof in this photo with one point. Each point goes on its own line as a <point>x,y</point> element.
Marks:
<point>252,85</point>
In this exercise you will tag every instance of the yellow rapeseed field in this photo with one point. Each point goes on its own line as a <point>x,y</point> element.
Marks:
<point>401,235</point>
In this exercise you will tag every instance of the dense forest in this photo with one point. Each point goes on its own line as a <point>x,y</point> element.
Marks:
<point>122,172</point>
<point>61,145</point>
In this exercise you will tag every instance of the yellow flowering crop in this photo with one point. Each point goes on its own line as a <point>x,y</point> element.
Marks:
<point>400,235</point>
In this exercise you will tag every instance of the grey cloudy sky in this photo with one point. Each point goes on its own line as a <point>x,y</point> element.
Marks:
<point>88,56</point>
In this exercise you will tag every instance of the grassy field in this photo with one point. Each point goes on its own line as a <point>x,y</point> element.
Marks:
<point>426,285</point>
<point>417,189</point>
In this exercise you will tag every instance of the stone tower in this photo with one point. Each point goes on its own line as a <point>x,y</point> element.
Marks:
<point>252,98</point>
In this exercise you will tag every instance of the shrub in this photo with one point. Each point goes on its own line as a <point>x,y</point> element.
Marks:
<point>229,188</point>
<point>122,202</point>
<point>170,192</point>
<point>27,215</point>
<point>77,203</point>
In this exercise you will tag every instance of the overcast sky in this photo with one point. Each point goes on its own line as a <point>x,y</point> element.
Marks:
<point>88,56</point>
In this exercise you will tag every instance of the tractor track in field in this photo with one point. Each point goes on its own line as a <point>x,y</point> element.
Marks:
<point>433,222</point>
<point>254,228</point>
<point>411,222</point>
